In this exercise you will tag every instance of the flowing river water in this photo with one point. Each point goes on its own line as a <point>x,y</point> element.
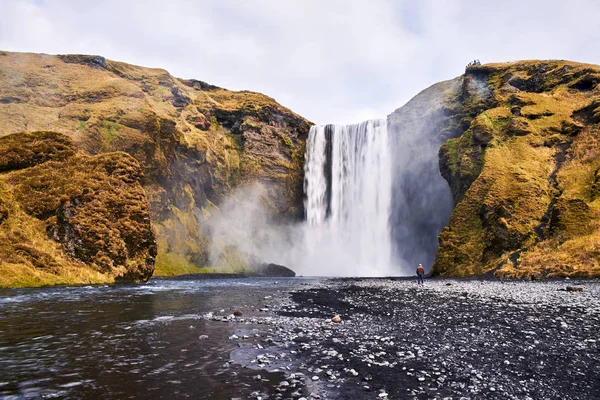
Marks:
<point>129,341</point>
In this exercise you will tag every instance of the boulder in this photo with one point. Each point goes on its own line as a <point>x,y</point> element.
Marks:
<point>274,271</point>
<point>574,289</point>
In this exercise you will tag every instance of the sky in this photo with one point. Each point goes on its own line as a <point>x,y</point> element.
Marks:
<point>330,61</point>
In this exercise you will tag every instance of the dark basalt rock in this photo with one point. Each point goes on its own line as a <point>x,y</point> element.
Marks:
<point>574,289</point>
<point>179,100</point>
<point>198,85</point>
<point>96,62</point>
<point>274,271</point>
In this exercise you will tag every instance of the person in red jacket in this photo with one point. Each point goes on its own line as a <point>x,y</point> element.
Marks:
<point>420,273</point>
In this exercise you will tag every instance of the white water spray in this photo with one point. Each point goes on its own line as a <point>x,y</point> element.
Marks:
<point>348,188</point>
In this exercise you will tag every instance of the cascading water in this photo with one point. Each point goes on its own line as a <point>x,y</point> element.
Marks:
<point>375,200</point>
<point>348,188</point>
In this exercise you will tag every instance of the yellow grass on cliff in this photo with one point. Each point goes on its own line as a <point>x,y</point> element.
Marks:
<point>525,173</point>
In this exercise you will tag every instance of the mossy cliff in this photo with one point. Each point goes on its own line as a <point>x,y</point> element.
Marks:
<point>194,142</point>
<point>523,168</point>
<point>66,217</point>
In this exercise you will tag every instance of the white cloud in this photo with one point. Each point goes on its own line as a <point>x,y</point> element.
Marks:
<point>335,61</point>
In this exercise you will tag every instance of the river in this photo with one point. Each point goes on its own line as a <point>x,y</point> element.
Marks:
<point>128,341</point>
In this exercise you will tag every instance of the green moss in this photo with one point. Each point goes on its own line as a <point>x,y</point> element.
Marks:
<point>286,140</point>
<point>110,130</point>
<point>171,264</point>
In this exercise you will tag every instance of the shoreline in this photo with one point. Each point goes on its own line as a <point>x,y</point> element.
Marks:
<point>451,338</point>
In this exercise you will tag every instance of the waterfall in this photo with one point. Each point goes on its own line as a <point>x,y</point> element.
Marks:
<point>348,188</point>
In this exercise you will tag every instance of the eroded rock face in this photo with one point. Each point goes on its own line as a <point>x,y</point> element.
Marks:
<point>523,172</point>
<point>93,206</point>
<point>195,142</point>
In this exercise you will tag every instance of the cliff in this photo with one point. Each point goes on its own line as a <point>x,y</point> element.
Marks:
<point>421,198</point>
<point>66,217</point>
<point>524,171</point>
<point>195,142</point>
<point>518,149</point>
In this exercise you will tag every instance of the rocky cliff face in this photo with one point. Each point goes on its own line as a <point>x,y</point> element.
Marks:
<point>422,202</point>
<point>66,217</point>
<point>523,172</point>
<point>194,142</point>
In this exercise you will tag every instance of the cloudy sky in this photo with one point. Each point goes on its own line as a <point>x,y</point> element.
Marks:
<point>330,61</point>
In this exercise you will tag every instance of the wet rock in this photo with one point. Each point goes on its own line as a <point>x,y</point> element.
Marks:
<point>574,289</point>
<point>337,319</point>
<point>202,337</point>
<point>273,271</point>
<point>237,313</point>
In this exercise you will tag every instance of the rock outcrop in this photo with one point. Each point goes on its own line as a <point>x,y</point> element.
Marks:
<point>195,142</point>
<point>273,270</point>
<point>523,172</point>
<point>68,217</point>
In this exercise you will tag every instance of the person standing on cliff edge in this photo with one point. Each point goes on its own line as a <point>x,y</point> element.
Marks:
<point>420,273</point>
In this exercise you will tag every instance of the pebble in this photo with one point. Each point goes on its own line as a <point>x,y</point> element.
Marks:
<point>482,324</point>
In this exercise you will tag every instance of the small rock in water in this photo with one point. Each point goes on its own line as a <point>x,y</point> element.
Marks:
<point>337,319</point>
<point>574,289</point>
<point>233,337</point>
<point>238,313</point>
<point>315,378</point>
